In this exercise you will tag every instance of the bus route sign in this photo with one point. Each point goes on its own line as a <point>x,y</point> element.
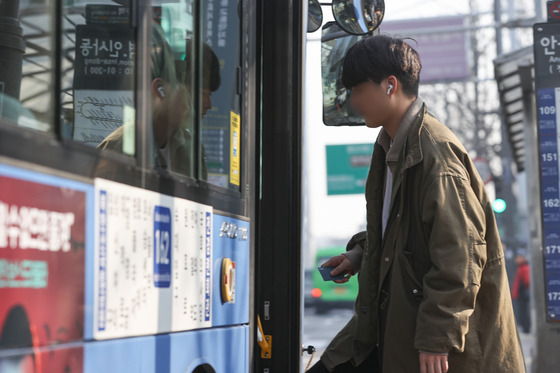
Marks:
<point>547,80</point>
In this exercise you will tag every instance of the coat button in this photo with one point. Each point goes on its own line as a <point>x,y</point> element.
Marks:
<point>387,259</point>
<point>364,309</point>
<point>415,291</point>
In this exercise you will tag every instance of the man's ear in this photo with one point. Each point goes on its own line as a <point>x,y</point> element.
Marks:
<point>393,83</point>
<point>158,89</point>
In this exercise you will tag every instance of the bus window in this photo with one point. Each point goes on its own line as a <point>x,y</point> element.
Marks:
<point>98,75</point>
<point>26,64</point>
<point>172,69</point>
<point>221,132</point>
<point>206,71</point>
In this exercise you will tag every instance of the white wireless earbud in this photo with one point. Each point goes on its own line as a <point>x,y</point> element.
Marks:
<point>389,89</point>
<point>161,92</point>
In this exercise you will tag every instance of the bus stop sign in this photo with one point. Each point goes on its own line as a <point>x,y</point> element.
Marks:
<point>547,83</point>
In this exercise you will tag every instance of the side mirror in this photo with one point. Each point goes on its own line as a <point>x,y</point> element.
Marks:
<point>335,42</point>
<point>358,17</point>
<point>314,16</point>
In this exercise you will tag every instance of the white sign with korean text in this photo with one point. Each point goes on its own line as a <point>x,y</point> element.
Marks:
<point>153,262</point>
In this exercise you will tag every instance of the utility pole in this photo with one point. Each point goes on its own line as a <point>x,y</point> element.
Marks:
<point>538,11</point>
<point>480,144</point>
<point>514,43</point>
<point>504,185</point>
<point>498,26</point>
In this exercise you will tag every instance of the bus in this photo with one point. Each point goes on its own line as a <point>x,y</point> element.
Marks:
<point>150,177</point>
<point>326,295</point>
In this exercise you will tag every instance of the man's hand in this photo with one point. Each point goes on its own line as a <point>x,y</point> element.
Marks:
<point>342,265</point>
<point>433,363</point>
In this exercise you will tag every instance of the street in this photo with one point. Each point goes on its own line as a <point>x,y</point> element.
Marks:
<point>319,329</point>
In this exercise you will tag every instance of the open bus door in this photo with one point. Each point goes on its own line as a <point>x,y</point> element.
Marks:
<point>278,254</point>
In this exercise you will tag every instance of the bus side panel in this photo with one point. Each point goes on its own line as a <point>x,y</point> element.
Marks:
<point>152,264</point>
<point>121,355</point>
<point>224,350</point>
<point>43,360</point>
<point>231,241</point>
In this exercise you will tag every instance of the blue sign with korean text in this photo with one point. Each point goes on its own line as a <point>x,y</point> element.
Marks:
<point>162,247</point>
<point>547,78</point>
<point>208,267</point>
<point>550,192</point>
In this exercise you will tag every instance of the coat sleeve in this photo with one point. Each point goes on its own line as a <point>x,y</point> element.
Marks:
<point>355,248</point>
<point>454,225</point>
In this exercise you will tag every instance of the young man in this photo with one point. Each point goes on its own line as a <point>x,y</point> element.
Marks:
<point>434,294</point>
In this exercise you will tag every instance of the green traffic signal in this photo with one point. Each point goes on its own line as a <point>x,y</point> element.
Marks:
<point>499,205</point>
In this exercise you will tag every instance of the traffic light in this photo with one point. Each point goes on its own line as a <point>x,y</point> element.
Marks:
<point>499,205</point>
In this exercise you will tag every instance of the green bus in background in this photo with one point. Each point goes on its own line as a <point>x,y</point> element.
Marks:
<point>328,294</point>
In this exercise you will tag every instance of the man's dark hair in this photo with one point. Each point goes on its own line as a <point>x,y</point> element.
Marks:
<point>378,57</point>
<point>210,67</point>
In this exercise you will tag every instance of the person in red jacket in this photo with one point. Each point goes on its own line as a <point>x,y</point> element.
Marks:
<point>520,292</point>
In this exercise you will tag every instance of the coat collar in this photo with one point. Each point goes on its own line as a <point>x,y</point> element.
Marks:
<point>393,152</point>
<point>411,153</point>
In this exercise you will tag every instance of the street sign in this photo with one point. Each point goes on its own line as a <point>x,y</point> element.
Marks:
<point>547,83</point>
<point>441,42</point>
<point>347,168</point>
<point>553,11</point>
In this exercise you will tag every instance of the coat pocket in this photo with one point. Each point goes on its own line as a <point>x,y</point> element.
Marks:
<point>411,281</point>
<point>477,263</point>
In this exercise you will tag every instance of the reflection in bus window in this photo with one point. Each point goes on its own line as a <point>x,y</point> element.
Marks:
<point>220,103</point>
<point>26,64</point>
<point>98,73</point>
<point>216,132</point>
<point>210,82</point>
<point>169,102</point>
<point>172,72</point>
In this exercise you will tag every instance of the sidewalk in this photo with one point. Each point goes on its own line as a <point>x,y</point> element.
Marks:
<point>528,343</point>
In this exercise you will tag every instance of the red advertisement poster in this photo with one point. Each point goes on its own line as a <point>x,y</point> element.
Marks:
<point>42,247</point>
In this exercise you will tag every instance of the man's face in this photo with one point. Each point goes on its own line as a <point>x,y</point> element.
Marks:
<point>178,107</point>
<point>206,101</point>
<point>371,102</point>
